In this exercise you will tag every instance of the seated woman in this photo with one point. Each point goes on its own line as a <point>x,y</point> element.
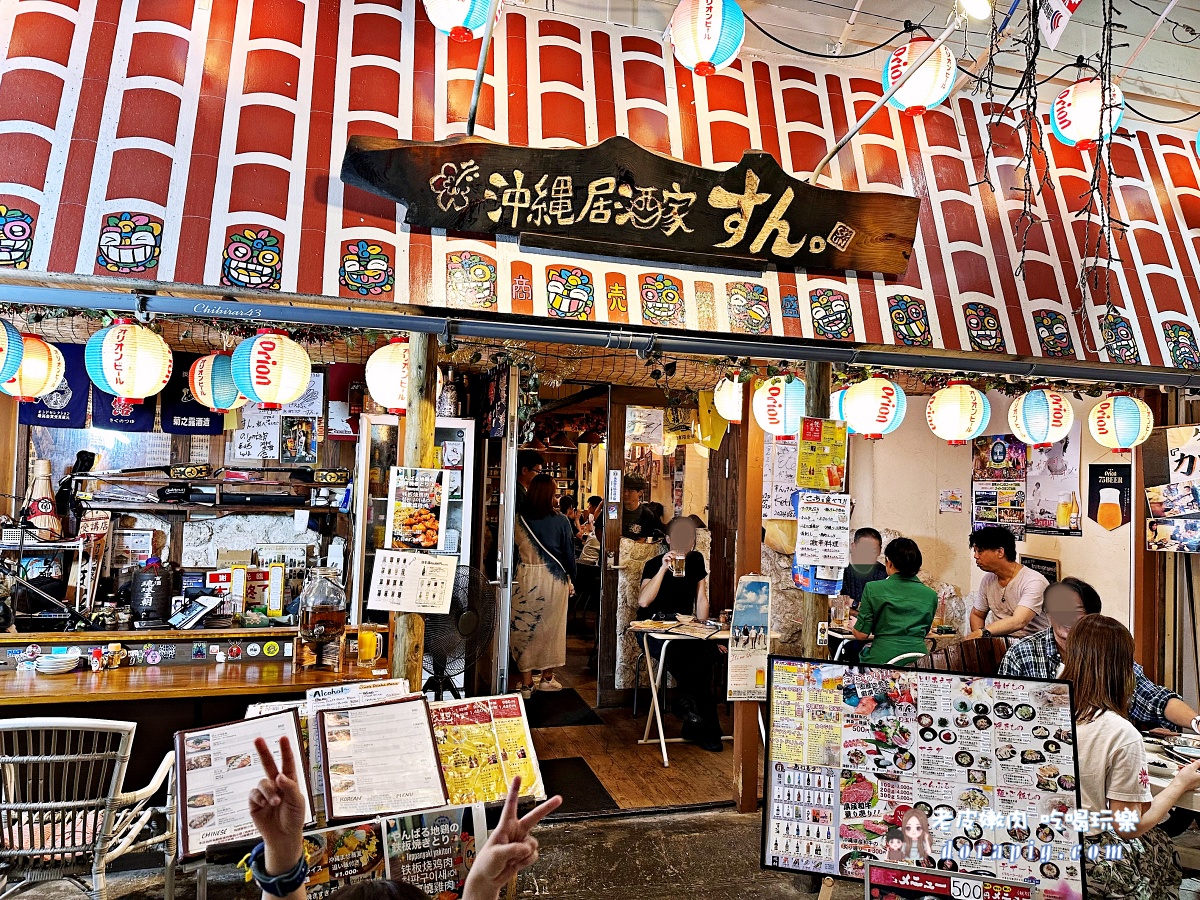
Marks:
<point>1141,862</point>
<point>895,614</point>
<point>665,594</point>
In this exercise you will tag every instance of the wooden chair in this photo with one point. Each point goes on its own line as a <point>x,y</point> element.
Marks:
<point>63,812</point>
<point>978,657</point>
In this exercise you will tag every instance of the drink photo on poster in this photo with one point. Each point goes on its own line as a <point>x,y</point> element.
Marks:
<point>1110,490</point>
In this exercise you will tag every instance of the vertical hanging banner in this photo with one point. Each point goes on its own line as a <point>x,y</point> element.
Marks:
<point>1110,491</point>
<point>66,406</point>
<point>749,639</point>
<point>1053,18</point>
<point>120,414</point>
<point>181,413</point>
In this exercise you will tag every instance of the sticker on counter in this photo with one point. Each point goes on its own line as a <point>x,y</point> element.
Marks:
<point>235,652</point>
<point>199,650</point>
<point>33,651</point>
<point>271,648</point>
<point>153,657</point>
<point>253,650</point>
<point>287,650</point>
<point>167,651</point>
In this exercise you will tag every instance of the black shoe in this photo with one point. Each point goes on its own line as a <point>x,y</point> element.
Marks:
<point>712,744</point>
<point>685,708</point>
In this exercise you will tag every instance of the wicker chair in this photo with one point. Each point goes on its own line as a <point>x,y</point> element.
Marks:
<point>63,811</point>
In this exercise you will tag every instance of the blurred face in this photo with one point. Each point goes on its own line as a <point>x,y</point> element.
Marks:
<point>682,537</point>
<point>864,552</point>
<point>989,560</point>
<point>1065,608</point>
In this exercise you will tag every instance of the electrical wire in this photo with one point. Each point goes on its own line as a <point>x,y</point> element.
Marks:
<point>907,29</point>
<point>1150,118</point>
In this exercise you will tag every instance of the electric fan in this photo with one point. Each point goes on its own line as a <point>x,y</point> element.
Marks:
<point>456,640</point>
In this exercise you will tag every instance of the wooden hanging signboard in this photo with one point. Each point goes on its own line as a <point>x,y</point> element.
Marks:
<point>617,198</point>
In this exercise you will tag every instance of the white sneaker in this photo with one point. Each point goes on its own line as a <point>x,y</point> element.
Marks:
<point>552,684</point>
<point>526,691</point>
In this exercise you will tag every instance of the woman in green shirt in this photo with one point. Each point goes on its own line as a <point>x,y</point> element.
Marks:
<point>895,614</point>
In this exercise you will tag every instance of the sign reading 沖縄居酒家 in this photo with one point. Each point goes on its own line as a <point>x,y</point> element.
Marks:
<point>618,198</point>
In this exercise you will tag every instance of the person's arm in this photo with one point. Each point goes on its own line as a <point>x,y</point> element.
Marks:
<point>1021,617</point>
<point>1154,704</point>
<point>978,620</point>
<point>277,810</point>
<point>1152,813</point>
<point>865,622</point>
<point>650,586</point>
<point>702,599</point>
<point>509,848</point>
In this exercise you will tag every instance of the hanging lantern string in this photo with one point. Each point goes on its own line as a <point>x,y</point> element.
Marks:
<point>908,28</point>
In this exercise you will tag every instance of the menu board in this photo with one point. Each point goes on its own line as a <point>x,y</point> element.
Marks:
<point>982,769</point>
<point>218,767</point>
<point>379,759</point>
<point>341,856</point>
<point>895,881</point>
<point>482,743</point>
<point>434,851</point>
<point>821,455</point>
<point>416,515</point>
<point>822,529</point>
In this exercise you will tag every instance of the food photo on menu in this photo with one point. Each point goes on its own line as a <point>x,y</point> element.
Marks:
<point>957,772</point>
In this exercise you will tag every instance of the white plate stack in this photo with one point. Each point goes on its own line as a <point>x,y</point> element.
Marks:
<point>55,665</point>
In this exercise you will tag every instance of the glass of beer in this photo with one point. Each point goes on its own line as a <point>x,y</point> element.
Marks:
<point>369,645</point>
<point>678,566</point>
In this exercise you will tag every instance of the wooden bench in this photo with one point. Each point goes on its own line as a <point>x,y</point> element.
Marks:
<point>978,657</point>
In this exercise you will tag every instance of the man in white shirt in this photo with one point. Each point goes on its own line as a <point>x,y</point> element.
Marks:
<point>1009,592</point>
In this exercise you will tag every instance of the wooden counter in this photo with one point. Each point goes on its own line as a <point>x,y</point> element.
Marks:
<point>135,683</point>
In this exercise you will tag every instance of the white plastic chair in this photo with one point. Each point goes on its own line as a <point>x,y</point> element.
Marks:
<point>904,659</point>
<point>63,813</point>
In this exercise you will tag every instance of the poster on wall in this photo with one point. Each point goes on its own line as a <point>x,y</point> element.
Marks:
<point>416,515</point>
<point>821,455</point>
<point>749,639</point>
<point>298,440</point>
<point>924,768</point>
<point>779,476</point>
<point>1052,487</point>
<point>1110,490</point>
<point>998,457</point>
<point>1175,535</point>
<point>1183,453</point>
<point>1171,500</point>
<point>998,489</point>
<point>822,529</point>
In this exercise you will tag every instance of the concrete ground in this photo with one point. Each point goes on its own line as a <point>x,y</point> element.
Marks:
<point>710,855</point>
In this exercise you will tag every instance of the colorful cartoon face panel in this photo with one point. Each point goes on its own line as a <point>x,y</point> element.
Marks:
<point>129,242</point>
<point>910,321</point>
<point>1117,334</point>
<point>570,292</point>
<point>749,309</point>
<point>366,269</point>
<point>831,315</point>
<point>1053,333</point>
<point>16,237</point>
<point>252,260</point>
<point>470,280</point>
<point>1181,341</point>
<point>983,327</point>
<point>662,300</point>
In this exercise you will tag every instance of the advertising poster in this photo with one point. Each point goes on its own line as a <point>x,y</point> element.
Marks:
<point>933,770</point>
<point>340,857</point>
<point>821,455</point>
<point>1110,492</point>
<point>822,529</point>
<point>749,639</point>
<point>1183,451</point>
<point>894,881</point>
<point>950,500</point>
<point>435,850</point>
<point>1166,501</point>
<point>416,515</point>
<point>1175,535</point>
<point>998,488</point>
<point>998,457</point>
<point>1052,487</point>
<point>298,440</point>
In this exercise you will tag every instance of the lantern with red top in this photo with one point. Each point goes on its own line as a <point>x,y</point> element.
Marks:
<point>271,369</point>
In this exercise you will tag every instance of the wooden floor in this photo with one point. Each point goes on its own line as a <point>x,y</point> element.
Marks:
<point>633,773</point>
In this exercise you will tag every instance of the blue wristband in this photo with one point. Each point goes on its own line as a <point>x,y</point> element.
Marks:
<point>277,885</point>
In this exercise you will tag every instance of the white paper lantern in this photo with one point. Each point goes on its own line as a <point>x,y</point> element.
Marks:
<point>387,375</point>
<point>462,20</point>
<point>128,361</point>
<point>1077,116</point>
<point>707,34</point>
<point>874,407</point>
<point>211,382</point>
<point>42,368</point>
<point>929,86</point>
<point>837,407</point>
<point>779,405</point>
<point>958,413</point>
<point>1120,422</point>
<point>12,350</point>
<point>271,369</point>
<point>1042,417</point>
<point>727,398</point>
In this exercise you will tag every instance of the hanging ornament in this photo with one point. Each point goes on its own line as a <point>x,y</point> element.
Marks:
<point>211,382</point>
<point>928,86</point>
<point>1077,116</point>
<point>837,407</point>
<point>1042,417</point>
<point>12,350</point>
<point>128,360</point>
<point>874,407</point>
<point>958,413</point>
<point>779,405</point>
<point>387,375</point>
<point>1120,422</point>
<point>707,34</point>
<point>42,368</point>
<point>462,20</point>
<point>727,398</point>
<point>271,369</point>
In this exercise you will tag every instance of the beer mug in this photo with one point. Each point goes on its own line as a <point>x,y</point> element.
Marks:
<point>369,645</point>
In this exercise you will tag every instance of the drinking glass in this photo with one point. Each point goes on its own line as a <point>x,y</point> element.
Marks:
<point>369,644</point>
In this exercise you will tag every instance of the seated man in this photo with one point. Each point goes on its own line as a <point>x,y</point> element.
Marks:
<point>865,566</point>
<point>1041,656</point>
<point>1009,591</point>
<point>669,588</point>
<point>637,522</point>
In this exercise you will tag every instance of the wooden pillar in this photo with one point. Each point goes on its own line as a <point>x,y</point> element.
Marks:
<point>749,561</point>
<point>408,629</point>
<point>818,383</point>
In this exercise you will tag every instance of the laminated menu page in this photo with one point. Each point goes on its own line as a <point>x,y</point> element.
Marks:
<point>379,759</point>
<point>483,743</point>
<point>933,769</point>
<point>218,766</point>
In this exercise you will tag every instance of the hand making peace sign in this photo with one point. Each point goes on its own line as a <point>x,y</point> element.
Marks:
<point>277,808</point>
<point>509,848</point>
